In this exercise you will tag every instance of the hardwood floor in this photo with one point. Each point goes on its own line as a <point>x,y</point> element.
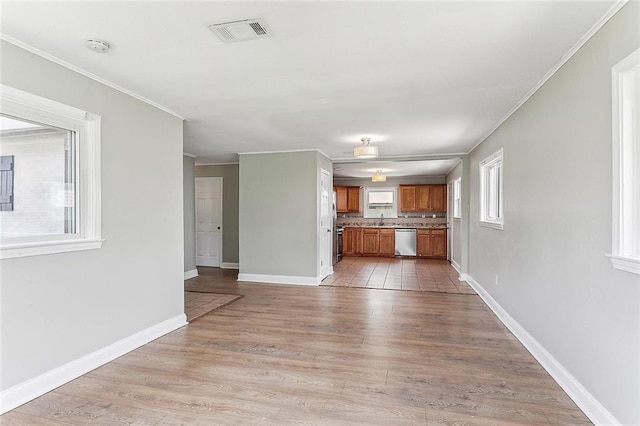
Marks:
<point>198,304</point>
<point>318,356</point>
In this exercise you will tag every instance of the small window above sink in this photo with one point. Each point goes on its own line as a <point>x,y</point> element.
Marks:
<point>381,201</point>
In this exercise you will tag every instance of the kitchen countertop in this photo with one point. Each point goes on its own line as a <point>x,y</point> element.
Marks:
<point>422,226</point>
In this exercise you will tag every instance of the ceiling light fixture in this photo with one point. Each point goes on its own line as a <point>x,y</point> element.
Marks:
<point>366,150</point>
<point>378,177</point>
<point>99,46</point>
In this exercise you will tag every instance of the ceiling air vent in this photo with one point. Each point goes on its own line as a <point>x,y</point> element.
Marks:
<point>246,29</point>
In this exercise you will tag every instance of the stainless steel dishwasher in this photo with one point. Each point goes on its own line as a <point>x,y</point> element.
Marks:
<point>405,242</point>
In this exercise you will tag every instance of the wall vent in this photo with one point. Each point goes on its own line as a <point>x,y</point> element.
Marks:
<point>246,29</point>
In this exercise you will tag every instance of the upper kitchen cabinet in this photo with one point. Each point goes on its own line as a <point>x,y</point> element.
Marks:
<point>423,198</point>
<point>347,199</point>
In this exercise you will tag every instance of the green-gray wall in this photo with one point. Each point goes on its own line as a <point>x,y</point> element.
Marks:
<point>554,277</point>
<point>189,190</point>
<point>58,308</point>
<point>279,213</point>
<point>230,207</point>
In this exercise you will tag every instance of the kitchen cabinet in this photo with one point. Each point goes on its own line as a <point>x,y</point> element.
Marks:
<point>432,243</point>
<point>358,241</point>
<point>423,198</point>
<point>347,199</point>
<point>387,245</point>
<point>368,242</point>
<point>348,240</point>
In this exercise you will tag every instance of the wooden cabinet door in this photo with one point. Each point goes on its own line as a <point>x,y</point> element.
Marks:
<point>341,199</point>
<point>423,198</point>
<point>358,241</point>
<point>422,242</point>
<point>370,242</point>
<point>348,241</point>
<point>353,199</point>
<point>438,198</point>
<point>407,198</point>
<point>438,243</point>
<point>387,243</point>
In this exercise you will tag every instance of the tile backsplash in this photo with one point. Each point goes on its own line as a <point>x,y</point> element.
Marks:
<point>356,219</point>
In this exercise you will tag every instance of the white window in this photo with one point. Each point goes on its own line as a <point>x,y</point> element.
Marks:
<point>380,203</point>
<point>457,206</point>
<point>626,164</point>
<point>49,175</point>
<point>491,200</point>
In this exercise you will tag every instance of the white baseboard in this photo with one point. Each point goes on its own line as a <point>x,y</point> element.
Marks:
<point>592,408</point>
<point>230,265</point>
<point>39,385</point>
<point>455,265</point>
<point>279,279</point>
<point>190,274</point>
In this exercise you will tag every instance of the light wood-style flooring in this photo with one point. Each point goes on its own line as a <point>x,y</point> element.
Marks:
<point>294,355</point>
<point>198,304</point>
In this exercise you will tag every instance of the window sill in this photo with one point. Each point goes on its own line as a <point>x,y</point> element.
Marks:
<point>48,247</point>
<point>494,225</point>
<point>628,264</point>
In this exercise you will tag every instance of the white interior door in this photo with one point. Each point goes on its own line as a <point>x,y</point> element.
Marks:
<point>208,221</point>
<point>326,223</point>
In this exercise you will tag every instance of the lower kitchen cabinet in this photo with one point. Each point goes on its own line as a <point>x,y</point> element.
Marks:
<point>387,244</point>
<point>368,242</point>
<point>348,240</point>
<point>432,243</point>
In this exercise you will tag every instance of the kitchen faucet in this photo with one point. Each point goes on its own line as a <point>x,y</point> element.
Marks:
<point>381,219</point>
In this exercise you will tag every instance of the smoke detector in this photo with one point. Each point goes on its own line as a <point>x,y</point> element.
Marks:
<point>246,29</point>
<point>99,46</point>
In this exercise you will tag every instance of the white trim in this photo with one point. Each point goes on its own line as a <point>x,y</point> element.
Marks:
<point>25,105</point>
<point>592,408</point>
<point>594,29</point>
<point>79,70</point>
<point>39,385</point>
<point>217,164</point>
<point>494,225</point>
<point>284,152</point>
<point>626,171</point>
<point>463,277</point>
<point>627,264</point>
<point>279,279</point>
<point>49,247</point>
<point>455,265</point>
<point>230,265</point>
<point>186,154</point>
<point>493,162</point>
<point>190,274</point>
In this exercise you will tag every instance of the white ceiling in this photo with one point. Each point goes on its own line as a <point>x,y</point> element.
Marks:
<point>419,78</point>
<point>395,168</point>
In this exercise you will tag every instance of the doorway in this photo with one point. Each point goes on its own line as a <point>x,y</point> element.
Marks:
<point>208,221</point>
<point>326,224</point>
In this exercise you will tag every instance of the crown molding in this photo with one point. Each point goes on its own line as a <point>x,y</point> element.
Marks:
<point>581,42</point>
<point>85,73</point>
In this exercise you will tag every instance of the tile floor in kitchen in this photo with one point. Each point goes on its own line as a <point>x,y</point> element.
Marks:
<point>413,274</point>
